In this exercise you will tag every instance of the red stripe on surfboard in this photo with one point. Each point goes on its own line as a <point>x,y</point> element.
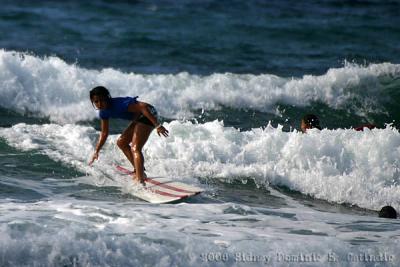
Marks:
<point>122,169</point>
<point>167,194</point>
<point>170,187</point>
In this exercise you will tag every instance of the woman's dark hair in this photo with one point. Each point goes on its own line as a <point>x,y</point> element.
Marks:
<point>100,91</point>
<point>312,121</point>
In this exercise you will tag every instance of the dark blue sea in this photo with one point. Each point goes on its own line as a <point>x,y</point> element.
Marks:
<point>231,81</point>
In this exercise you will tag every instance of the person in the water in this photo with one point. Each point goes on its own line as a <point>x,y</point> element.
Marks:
<point>388,212</point>
<point>363,126</point>
<point>309,121</point>
<point>143,119</point>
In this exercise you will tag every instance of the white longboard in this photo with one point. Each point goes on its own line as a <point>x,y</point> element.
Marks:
<point>162,190</point>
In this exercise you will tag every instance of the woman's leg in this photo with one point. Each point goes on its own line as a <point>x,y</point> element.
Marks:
<point>141,133</point>
<point>124,140</point>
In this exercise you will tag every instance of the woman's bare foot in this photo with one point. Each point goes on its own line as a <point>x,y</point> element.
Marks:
<point>137,180</point>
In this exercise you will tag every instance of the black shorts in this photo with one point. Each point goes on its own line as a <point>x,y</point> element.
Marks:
<point>143,119</point>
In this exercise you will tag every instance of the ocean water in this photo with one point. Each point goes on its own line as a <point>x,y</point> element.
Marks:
<point>231,81</point>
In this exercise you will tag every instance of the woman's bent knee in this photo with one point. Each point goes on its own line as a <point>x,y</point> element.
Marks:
<point>122,142</point>
<point>136,150</point>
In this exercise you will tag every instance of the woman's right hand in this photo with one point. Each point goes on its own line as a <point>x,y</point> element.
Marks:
<point>94,157</point>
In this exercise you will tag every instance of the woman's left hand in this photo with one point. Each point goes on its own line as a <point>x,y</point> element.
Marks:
<point>162,131</point>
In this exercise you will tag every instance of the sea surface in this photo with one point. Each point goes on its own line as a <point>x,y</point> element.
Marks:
<point>231,81</point>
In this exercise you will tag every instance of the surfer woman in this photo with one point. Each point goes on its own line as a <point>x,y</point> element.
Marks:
<point>143,117</point>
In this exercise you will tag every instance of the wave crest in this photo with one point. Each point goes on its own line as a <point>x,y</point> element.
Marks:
<point>49,87</point>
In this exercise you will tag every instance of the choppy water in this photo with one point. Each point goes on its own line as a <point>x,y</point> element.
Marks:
<point>231,80</point>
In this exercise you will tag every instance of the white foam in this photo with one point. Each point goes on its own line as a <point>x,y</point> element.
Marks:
<point>72,232</point>
<point>52,88</point>
<point>342,166</point>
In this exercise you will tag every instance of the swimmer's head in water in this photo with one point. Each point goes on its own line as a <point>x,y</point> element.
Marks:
<point>388,212</point>
<point>309,121</point>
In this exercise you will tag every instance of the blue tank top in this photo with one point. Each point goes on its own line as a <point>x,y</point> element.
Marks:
<point>118,108</point>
